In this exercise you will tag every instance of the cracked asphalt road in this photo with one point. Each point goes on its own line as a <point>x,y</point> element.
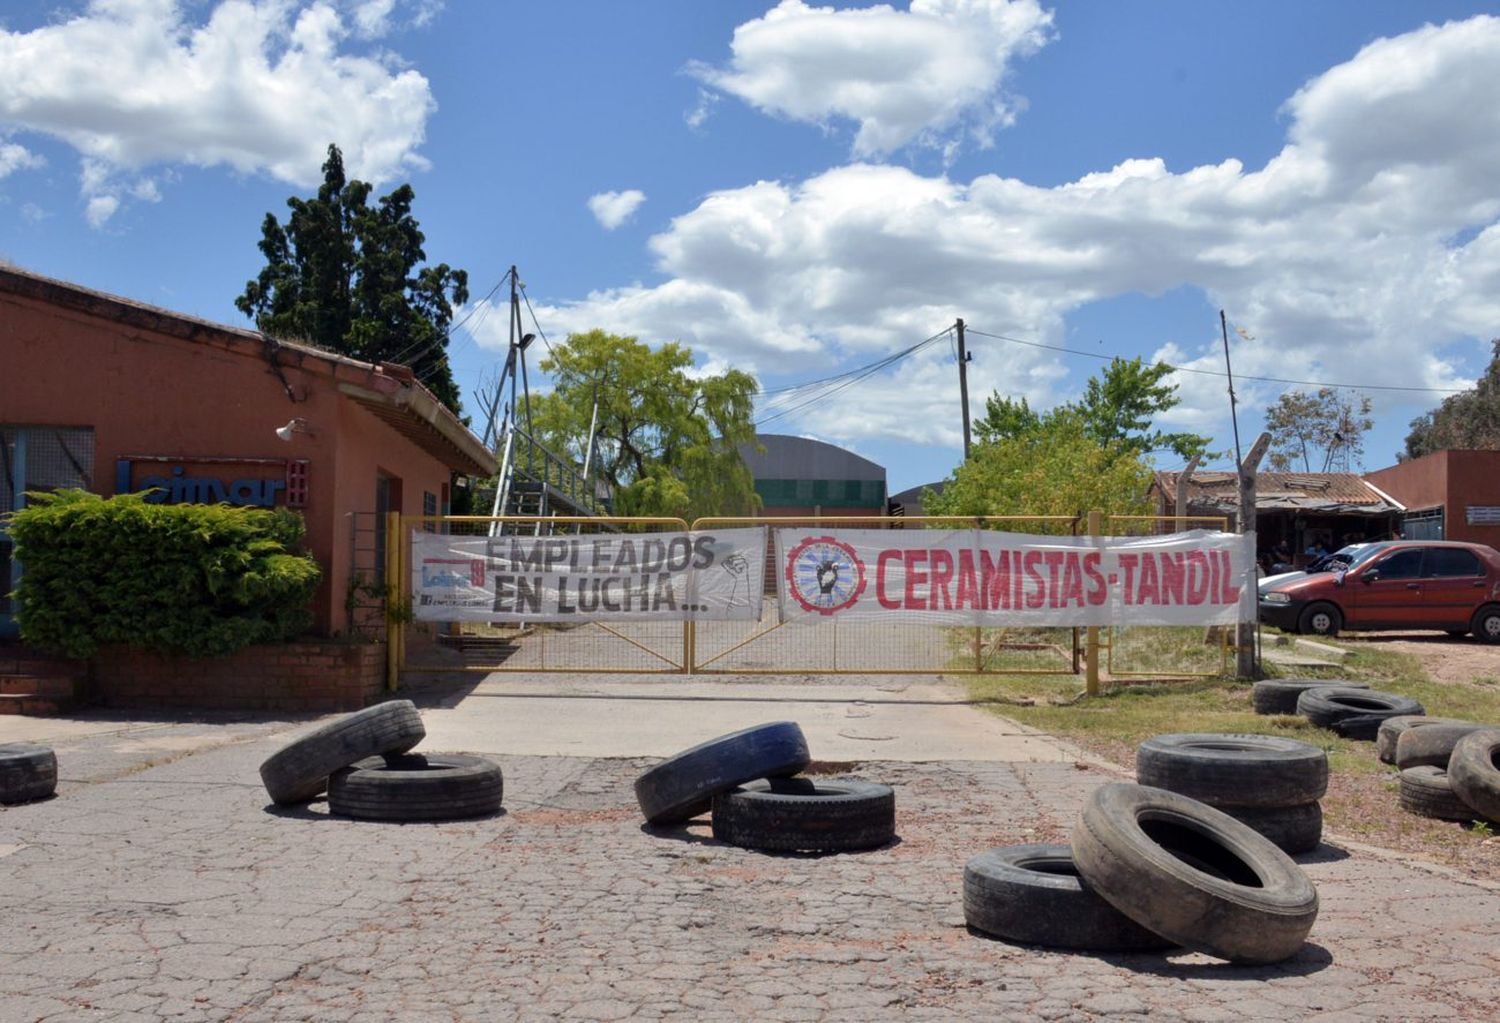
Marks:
<point>160,885</point>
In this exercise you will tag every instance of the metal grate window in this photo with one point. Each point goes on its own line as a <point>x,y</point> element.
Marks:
<point>1423,525</point>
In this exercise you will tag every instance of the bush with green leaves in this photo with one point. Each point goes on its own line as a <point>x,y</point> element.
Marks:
<point>194,579</point>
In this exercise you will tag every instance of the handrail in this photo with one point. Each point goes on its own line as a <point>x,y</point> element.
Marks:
<point>538,464</point>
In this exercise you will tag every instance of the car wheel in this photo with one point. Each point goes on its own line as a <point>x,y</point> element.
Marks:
<point>1325,620</point>
<point>1486,624</point>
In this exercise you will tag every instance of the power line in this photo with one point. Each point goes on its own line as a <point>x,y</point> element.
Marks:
<point>535,323</point>
<point>417,348</point>
<point>882,361</point>
<point>854,377</point>
<point>1217,373</point>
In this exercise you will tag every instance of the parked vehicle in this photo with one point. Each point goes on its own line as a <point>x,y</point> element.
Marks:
<point>1398,584</point>
<point>1335,562</point>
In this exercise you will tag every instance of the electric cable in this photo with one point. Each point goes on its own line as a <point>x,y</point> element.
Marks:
<point>1219,373</point>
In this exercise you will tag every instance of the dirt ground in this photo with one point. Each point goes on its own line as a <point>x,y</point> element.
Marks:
<point>1444,659</point>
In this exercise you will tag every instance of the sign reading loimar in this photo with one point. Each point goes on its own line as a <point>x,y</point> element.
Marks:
<point>175,485</point>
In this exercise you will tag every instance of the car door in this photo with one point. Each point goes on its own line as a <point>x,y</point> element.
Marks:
<point>1454,583</point>
<point>1387,593</point>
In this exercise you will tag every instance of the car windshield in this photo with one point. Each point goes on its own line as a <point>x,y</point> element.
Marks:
<point>1341,558</point>
<point>1367,552</point>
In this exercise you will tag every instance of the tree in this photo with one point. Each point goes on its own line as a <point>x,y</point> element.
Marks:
<point>1117,408</point>
<point>1326,429</point>
<point>1056,467</point>
<point>1469,419</point>
<point>668,441</point>
<point>344,275</point>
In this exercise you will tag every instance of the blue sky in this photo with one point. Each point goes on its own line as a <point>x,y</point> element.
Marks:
<point>797,189</point>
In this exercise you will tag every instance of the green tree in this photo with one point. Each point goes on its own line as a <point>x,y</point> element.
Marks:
<point>344,275</point>
<point>1056,467</point>
<point>1120,406</point>
<point>1469,419</point>
<point>1325,430</point>
<point>668,441</point>
<point>1117,408</point>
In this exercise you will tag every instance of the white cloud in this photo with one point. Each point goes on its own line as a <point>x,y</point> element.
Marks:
<point>260,86</point>
<point>100,208</point>
<point>15,157</point>
<point>928,75</point>
<point>1367,250</point>
<point>612,209</point>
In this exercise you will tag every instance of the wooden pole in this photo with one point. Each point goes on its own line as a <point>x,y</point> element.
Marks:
<point>1091,678</point>
<point>1180,498</point>
<point>963,385</point>
<point>1244,639</point>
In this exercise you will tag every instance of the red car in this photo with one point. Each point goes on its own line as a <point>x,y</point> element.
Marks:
<point>1400,584</point>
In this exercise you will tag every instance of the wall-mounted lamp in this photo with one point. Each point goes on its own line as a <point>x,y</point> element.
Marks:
<point>296,425</point>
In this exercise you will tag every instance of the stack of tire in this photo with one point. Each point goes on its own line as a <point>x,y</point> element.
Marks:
<point>1449,769</point>
<point>1146,870</point>
<point>1279,695</point>
<point>748,781</point>
<point>28,772</point>
<point>365,762</point>
<point>1269,783</point>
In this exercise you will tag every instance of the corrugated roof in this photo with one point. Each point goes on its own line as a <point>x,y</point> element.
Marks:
<point>1304,489</point>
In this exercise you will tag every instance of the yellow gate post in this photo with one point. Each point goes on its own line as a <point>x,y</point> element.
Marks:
<point>1091,678</point>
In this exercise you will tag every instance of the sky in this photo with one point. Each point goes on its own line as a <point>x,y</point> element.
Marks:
<point>799,190</point>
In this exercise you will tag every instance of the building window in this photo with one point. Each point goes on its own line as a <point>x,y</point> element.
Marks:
<point>429,507</point>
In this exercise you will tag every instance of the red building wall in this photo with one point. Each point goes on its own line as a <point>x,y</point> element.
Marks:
<point>149,383</point>
<point>1452,480</point>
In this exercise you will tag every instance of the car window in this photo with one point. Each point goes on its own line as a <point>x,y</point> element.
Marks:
<point>1406,564</point>
<point>1366,553</point>
<point>1451,561</point>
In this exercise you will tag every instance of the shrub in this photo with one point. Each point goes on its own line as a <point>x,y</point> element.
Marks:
<point>189,579</point>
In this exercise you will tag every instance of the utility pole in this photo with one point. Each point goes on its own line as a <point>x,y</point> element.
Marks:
<point>1244,634</point>
<point>963,385</point>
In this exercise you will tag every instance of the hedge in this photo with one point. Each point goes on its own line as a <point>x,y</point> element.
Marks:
<point>194,579</point>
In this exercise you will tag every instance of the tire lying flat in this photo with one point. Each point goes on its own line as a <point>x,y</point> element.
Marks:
<point>28,771</point>
<point>299,770</point>
<point>417,787</point>
<point>1474,772</point>
<point>1391,729</point>
<point>1279,695</point>
<point>1325,706</point>
<point>1193,874</point>
<point>682,787</point>
<point>1426,792</point>
<point>1431,746</point>
<point>1032,894</point>
<point>806,815</point>
<point>1234,770</point>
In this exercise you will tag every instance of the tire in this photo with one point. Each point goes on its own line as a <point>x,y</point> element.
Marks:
<point>1361,727</point>
<point>683,787</point>
<point>1431,746</point>
<point>1234,770</point>
<point>28,771</point>
<point>1485,625</point>
<point>1279,696</point>
<point>417,787</point>
<point>1426,792</point>
<point>806,815</point>
<point>1391,729</point>
<point>1292,829</point>
<point>1032,894</point>
<point>1325,706</point>
<point>1193,874</point>
<point>1474,772</point>
<point>298,771</point>
<point>1320,619</point>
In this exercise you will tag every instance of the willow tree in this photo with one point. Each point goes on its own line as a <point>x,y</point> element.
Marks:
<point>668,439</point>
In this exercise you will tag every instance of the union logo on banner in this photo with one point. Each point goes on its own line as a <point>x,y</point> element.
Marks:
<point>824,575</point>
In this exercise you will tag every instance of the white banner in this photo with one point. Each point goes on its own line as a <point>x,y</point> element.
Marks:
<point>701,576</point>
<point>979,577</point>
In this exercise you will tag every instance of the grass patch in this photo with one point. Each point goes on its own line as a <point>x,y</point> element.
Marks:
<point>1361,800</point>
